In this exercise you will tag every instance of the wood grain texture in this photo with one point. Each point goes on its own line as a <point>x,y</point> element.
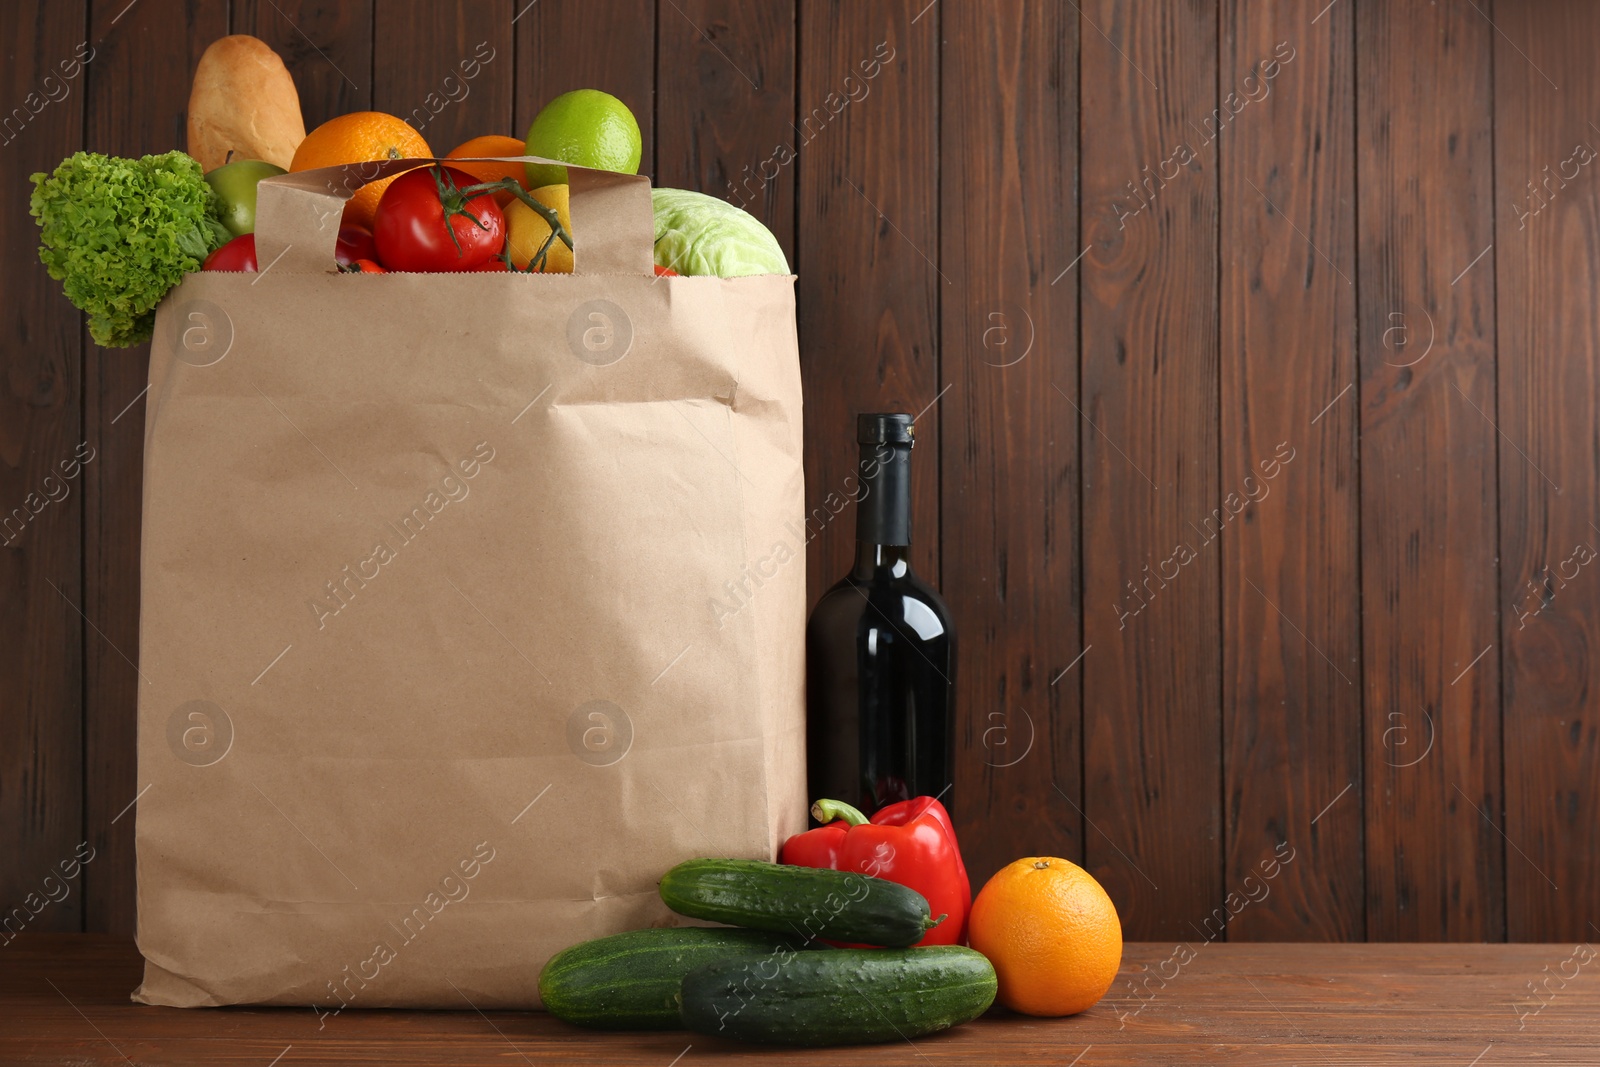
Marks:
<point>1547,257</point>
<point>130,114</point>
<point>725,85</point>
<point>1218,297</point>
<point>65,1000</point>
<point>1428,572</point>
<point>866,238</point>
<point>41,486</point>
<point>327,48</point>
<point>1009,337</point>
<point>446,68</point>
<point>1148,427</point>
<point>1290,579</point>
<point>586,44</point>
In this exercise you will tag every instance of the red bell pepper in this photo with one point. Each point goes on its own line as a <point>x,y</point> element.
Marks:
<point>911,842</point>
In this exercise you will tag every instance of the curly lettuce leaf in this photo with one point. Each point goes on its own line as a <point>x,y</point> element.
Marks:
<point>119,233</point>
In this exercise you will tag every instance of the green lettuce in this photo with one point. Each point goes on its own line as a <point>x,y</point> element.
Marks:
<point>119,233</point>
<point>699,234</point>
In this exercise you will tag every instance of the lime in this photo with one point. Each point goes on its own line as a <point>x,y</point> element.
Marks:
<point>586,127</point>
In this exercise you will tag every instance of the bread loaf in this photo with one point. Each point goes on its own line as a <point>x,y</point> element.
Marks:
<point>243,101</point>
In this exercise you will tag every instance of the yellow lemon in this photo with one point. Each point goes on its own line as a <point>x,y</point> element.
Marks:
<point>527,231</point>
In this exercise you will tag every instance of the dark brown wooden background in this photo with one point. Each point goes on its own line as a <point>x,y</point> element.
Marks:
<point>1381,261</point>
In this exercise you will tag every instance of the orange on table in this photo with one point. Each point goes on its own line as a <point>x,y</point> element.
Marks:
<point>359,137</point>
<point>1052,934</point>
<point>493,145</point>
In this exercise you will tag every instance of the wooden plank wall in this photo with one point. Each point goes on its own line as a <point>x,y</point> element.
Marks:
<point>42,718</point>
<point>1291,595</point>
<point>1254,350</point>
<point>1151,678</point>
<point>1547,250</point>
<point>1435,865</point>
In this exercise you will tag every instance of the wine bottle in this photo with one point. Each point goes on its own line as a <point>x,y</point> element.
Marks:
<point>880,650</point>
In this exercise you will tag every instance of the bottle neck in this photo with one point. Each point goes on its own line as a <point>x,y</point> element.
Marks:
<point>873,559</point>
<point>883,508</point>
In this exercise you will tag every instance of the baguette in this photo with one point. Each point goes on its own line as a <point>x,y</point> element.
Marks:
<point>243,101</point>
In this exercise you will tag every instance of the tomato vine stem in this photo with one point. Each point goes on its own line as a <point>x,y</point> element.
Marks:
<point>551,217</point>
<point>454,200</point>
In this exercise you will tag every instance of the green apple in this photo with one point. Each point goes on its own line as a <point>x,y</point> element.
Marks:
<point>235,185</point>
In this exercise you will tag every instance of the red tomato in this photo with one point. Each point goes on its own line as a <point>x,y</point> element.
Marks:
<point>238,254</point>
<point>424,223</point>
<point>364,266</point>
<point>665,272</point>
<point>355,242</point>
<point>492,263</point>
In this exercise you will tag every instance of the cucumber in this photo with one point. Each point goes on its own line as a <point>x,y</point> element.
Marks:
<point>630,981</point>
<point>807,902</point>
<point>838,997</point>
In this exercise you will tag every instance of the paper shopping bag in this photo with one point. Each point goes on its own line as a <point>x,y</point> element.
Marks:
<point>471,603</point>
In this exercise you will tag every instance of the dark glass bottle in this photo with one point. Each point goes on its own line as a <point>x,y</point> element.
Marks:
<point>880,650</point>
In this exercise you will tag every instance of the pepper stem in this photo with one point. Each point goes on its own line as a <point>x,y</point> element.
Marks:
<point>826,811</point>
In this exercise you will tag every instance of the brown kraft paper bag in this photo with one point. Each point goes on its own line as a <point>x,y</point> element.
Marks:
<point>471,603</point>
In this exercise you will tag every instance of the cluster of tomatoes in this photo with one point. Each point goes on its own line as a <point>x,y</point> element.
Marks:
<point>356,252</point>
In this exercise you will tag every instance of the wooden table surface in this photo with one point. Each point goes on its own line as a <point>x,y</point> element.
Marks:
<point>64,1001</point>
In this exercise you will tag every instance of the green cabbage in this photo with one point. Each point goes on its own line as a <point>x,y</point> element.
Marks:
<point>121,232</point>
<point>699,234</point>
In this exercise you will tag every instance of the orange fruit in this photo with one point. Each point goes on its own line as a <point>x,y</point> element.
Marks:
<point>357,138</point>
<point>493,145</point>
<point>1052,934</point>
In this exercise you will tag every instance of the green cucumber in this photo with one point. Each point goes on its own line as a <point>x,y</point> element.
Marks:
<point>630,981</point>
<point>838,997</point>
<point>808,902</point>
